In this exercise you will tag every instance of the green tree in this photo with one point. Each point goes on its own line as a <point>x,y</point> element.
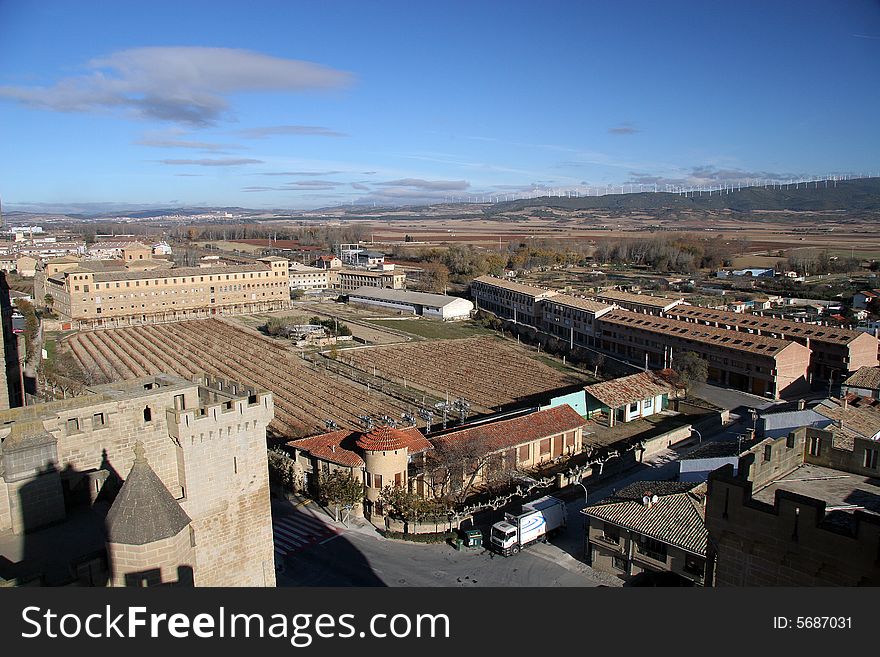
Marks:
<point>340,489</point>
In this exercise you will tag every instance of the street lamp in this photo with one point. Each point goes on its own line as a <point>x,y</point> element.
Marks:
<point>586,495</point>
<point>699,435</point>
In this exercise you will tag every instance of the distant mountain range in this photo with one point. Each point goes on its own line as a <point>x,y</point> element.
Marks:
<point>862,195</point>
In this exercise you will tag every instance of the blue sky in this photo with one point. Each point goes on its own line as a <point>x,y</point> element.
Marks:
<point>308,104</point>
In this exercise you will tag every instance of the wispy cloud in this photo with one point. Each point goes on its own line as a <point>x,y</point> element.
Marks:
<point>298,185</point>
<point>360,186</point>
<point>300,173</point>
<point>432,185</point>
<point>184,143</point>
<point>274,130</point>
<point>867,36</point>
<point>706,175</point>
<point>625,128</point>
<point>185,85</point>
<point>224,162</point>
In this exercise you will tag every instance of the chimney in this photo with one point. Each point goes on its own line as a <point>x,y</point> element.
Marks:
<point>845,403</point>
<point>802,404</point>
<point>332,449</point>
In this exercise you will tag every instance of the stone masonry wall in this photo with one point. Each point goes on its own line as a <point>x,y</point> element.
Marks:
<point>227,492</point>
<point>157,562</point>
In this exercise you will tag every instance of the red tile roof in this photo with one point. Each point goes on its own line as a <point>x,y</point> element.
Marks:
<point>335,447</point>
<point>342,447</point>
<point>517,431</point>
<point>385,438</point>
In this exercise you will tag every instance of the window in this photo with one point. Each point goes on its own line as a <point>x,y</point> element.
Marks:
<point>871,458</point>
<point>398,479</point>
<point>179,403</point>
<point>98,421</point>
<point>368,480</point>
<point>621,564</point>
<point>768,452</point>
<point>815,446</point>
<point>611,534</point>
<point>72,425</point>
<point>789,440</point>
<point>524,453</point>
<point>634,407</point>
<point>377,481</point>
<point>649,403</point>
<point>694,565</point>
<point>545,446</point>
<point>653,549</point>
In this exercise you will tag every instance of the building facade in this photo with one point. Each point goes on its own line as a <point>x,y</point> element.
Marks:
<point>756,364</point>
<point>835,352</point>
<point>303,277</point>
<point>94,299</point>
<point>349,280</point>
<point>509,300</point>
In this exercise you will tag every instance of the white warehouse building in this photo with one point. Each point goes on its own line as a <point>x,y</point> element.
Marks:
<point>433,306</point>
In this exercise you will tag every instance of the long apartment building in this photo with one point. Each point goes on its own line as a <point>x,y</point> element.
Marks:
<point>639,303</point>
<point>638,333</point>
<point>757,364</point>
<point>572,318</point>
<point>509,300</point>
<point>91,299</point>
<point>834,352</point>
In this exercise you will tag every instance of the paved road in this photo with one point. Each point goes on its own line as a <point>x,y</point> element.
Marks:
<point>728,398</point>
<point>356,558</point>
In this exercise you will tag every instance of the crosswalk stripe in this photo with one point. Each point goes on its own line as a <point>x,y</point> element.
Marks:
<point>292,533</point>
<point>296,536</point>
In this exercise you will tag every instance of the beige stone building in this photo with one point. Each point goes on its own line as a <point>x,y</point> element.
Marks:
<point>303,277</point>
<point>348,280</point>
<point>386,456</point>
<point>195,502</point>
<point>92,299</point>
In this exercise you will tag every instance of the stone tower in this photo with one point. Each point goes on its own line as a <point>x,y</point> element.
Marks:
<point>149,538</point>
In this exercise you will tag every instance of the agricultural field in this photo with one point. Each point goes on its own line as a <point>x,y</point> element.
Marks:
<point>431,329</point>
<point>486,371</point>
<point>305,394</point>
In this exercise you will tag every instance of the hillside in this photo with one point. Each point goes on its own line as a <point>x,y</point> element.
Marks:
<point>851,195</point>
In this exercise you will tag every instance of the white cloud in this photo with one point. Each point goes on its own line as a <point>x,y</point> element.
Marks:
<point>187,85</point>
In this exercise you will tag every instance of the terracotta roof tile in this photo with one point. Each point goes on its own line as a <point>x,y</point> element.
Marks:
<point>516,431</point>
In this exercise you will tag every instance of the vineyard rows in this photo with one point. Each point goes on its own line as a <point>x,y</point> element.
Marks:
<point>483,370</point>
<point>305,395</point>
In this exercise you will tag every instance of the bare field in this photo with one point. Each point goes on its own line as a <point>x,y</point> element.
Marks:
<point>768,231</point>
<point>305,395</point>
<point>487,371</point>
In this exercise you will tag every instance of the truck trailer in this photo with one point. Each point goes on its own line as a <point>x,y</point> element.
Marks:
<point>538,520</point>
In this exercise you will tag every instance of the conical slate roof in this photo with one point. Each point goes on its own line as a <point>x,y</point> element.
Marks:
<point>144,511</point>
